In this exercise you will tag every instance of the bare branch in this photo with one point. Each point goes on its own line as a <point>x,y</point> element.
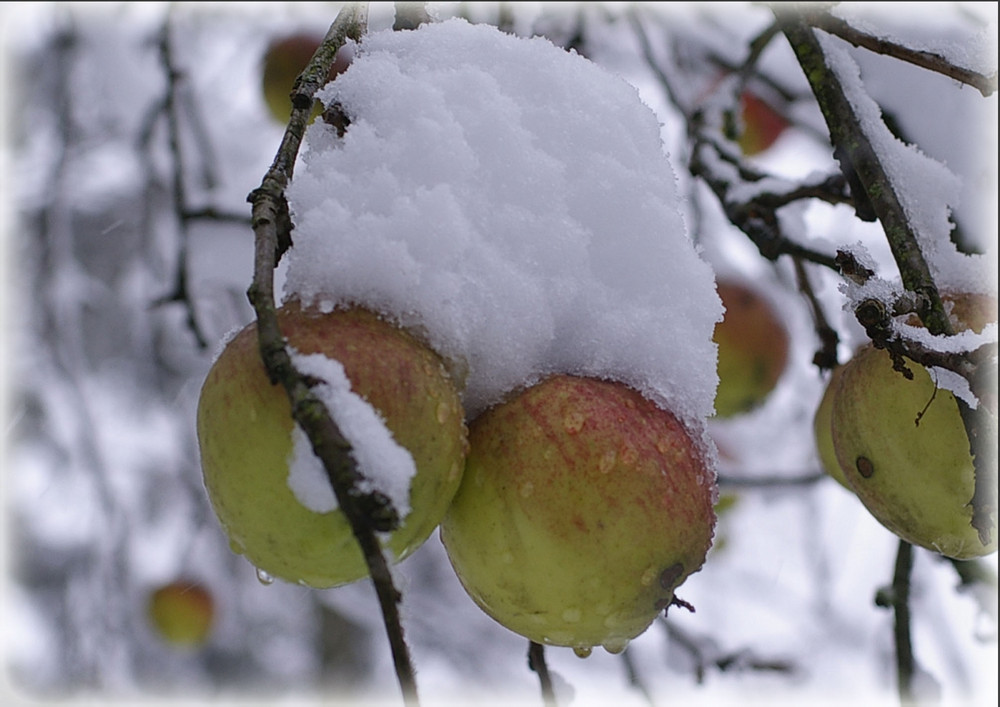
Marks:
<point>536,661</point>
<point>826,357</point>
<point>897,598</point>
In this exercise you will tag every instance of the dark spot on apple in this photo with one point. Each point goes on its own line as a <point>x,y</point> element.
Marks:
<point>669,576</point>
<point>865,467</point>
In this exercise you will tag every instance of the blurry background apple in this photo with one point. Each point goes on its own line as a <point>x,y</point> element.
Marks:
<point>584,506</point>
<point>245,435</point>
<point>283,61</point>
<point>182,612</point>
<point>762,124</point>
<point>753,349</point>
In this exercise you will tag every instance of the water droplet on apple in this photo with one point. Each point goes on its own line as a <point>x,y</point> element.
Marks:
<point>264,578</point>
<point>616,645</point>
<point>648,576</point>
<point>607,462</point>
<point>443,410</point>
<point>571,616</point>
<point>527,489</point>
<point>582,651</point>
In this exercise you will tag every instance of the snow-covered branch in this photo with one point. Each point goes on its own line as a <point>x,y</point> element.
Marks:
<point>854,134</point>
<point>366,513</point>
<point>932,61</point>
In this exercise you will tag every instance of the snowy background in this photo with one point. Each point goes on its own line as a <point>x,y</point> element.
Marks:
<point>127,259</point>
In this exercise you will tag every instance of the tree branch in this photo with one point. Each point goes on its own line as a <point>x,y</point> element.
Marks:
<point>272,232</point>
<point>859,160</point>
<point>536,661</point>
<point>898,599</point>
<point>986,85</point>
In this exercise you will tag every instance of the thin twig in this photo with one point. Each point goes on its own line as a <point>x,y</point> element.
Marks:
<point>770,482</point>
<point>899,599</point>
<point>634,679</point>
<point>986,85</point>
<point>180,292</point>
<point>826,357</point>
<point>536,661</point>
<point>272,232</point>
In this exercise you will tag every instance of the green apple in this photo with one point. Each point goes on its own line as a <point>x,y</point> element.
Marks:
<point>762,124</point>
<point>245,435</point>
<point>182,612</point>
<point>753,350</point>
<point>823,431</point>
<point>285,58</point>
<point>583,507</point>
<point>903,449</point>
<point>966,311</point>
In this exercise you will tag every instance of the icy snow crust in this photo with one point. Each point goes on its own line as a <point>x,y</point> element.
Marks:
<point>512,202</point>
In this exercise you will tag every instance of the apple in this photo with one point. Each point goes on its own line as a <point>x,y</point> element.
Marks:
<point>182,612</point>
<point>823,431</point>
<point>902,445</point>
<point>762,124</point>
<point>753,349</point>
<point>245,436</point>
<point>966,310</point>
<point>903,449</point>
<point>583,507</point>
<point>285,58</point>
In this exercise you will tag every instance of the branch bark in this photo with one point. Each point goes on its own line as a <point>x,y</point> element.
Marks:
<point>536,661</point>
<point>859,159</point>
<point>272,233</point>
<point>985,84</point>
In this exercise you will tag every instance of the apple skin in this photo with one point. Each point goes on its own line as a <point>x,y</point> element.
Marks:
<point>823,431</point>
<point>245,437</point>
<point>182,612</point>
<point>762,124</point>
<point>916,480</point>
<point>583,507</point>
<point>753,350</point>
<point>285,58</point>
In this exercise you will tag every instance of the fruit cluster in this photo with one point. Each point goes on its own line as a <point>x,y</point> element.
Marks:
<point>582,506</point>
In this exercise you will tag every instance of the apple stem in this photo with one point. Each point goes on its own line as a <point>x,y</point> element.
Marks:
<point>272,228</point>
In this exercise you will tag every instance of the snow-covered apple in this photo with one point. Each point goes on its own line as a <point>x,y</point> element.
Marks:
<point>903,448</point>
<point>762,124</point>
<point>583,507</point>
<point>182,612</point>
<point>753,349</point>
<point>285,58</point>
<point>245,435</point>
